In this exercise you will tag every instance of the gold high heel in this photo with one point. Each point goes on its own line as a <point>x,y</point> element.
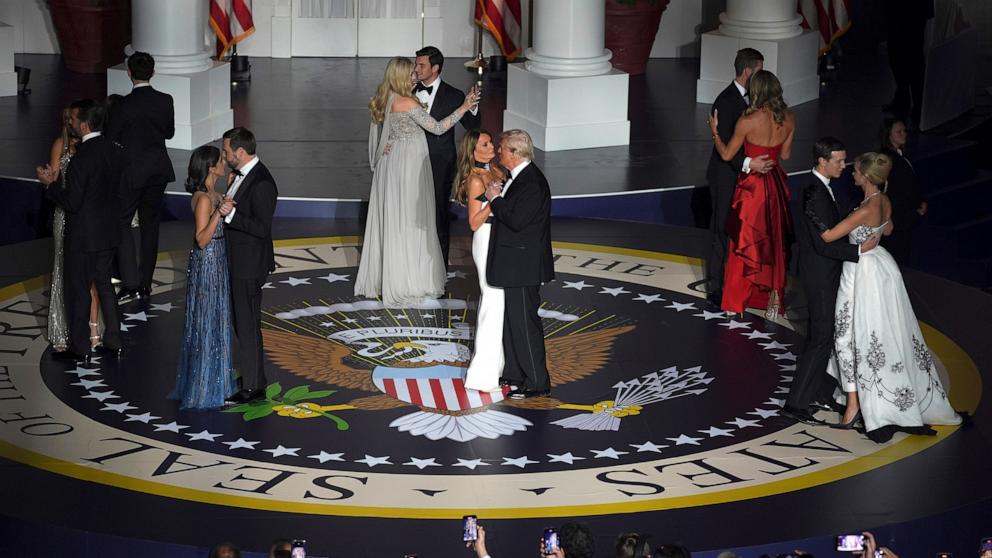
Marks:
<point>771,311</point>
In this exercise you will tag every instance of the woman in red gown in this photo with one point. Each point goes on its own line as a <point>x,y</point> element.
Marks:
<point>759,226</point>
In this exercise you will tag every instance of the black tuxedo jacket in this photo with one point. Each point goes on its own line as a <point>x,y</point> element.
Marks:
<point>820,261</point>
<point>249,234</point>
<point>90,197</point>
<point>730,105</point>
<point>520,240</point>
<point>141,122</point>
<point>448,99</point>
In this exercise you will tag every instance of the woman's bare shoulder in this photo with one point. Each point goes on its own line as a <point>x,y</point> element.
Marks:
<point>404,104</point>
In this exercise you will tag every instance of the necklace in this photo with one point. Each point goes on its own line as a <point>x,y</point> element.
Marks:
<point>870,196</point>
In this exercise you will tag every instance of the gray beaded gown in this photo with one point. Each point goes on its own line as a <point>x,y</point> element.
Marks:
<point>401,257</point>
<point>58,323</point>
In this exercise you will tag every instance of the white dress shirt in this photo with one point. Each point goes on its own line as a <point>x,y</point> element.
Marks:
<point>746,167</point>
<point>826,182</point>
<point>428,98</point>
<point>90,136</point>
<point>513,174</point>
<point>245,169</point>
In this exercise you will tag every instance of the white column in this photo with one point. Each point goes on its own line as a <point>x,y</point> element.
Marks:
<point>173,33</point>
<point>772,27</point>
<point>567,95</point>
<point>568,39</point>
<point>8,77</point>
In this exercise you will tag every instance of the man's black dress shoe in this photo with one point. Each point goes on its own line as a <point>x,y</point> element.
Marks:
<point>71,356</point>
<point>245,396</point>
<point>144,294</point>
<point>800,416</point>
<point>104,350</point>
<point>127,295</point>
<point>529,393</point>
<point>509,384</point>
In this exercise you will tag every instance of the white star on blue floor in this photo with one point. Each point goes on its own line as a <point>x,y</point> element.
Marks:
<point>145,417</point>
<point>518,461</point>
<point>294,281</point>
<point>422,463</point>
<point>171,427</point>
<point>648,299</point>
<point>470,463</point>
<point>373,461</point>
<point>684,440</point>
<point>609,453</point>
<point>577,285</point>
<point>241,443</point>
<point>563,458</point>
<point>324,457</point>
<point>203,435</point>
<point>648,446</point>
<point>333,278</point>
<point>282,450</point>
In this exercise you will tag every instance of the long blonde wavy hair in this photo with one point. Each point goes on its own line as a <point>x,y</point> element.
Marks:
<point>466,162</point>
<point>397,80</point>
<point>766,92</point>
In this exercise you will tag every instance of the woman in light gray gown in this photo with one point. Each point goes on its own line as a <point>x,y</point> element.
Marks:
<point>401,258</point>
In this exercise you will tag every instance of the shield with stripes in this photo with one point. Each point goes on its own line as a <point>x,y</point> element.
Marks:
<point>432,387</point>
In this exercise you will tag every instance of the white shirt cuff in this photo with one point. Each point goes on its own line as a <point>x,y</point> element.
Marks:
<point>859,250</point>
<point>747,165</point>
<point>475,111</point>
<point>230,216</point>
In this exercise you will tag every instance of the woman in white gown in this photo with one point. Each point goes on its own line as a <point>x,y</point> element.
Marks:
<point>401,258</point>
<point>880,357</point>
<point>475,171</point>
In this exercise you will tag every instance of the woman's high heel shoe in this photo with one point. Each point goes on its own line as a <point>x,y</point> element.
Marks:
<point>96,340</point>
<point>850,425</point>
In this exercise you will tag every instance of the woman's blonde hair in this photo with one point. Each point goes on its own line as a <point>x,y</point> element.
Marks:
<point>766,92</point>
<point>875,167</point>
<point>396,80</point>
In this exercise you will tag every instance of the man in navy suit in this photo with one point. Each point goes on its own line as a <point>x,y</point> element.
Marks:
<point>441,99</point>
<point>520,261</point>
<point>141,122</point>
<point>721,175</point>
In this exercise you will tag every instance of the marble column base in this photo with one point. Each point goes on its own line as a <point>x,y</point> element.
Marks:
<point>202,102</point>
<point>8,77</point>
<point>568,112</point>
<point>794,60</point>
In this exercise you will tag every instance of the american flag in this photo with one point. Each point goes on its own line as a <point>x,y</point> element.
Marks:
<point>230,30</point>
<point>502,18</point>
<point>830,17</point>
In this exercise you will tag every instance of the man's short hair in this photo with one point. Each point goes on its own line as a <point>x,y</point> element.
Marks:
<point>141,65</point>
<point>746,58</point>
<point>90,112</point>
<point>241,137</point>
<point>824,147</point>
<point>519,143</point>
<point>576,540</point>
<point>434,55</point>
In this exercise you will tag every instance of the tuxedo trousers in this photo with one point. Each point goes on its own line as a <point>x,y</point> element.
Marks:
<point>523,339</point>
<point>246,306</point>
<point>136,267</point>
<point>811,382</point>
<point>82,269</point>
<point>721,197</point>
<point>443,171</point>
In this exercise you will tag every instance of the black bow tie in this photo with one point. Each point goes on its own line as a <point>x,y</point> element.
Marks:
<point>237,172</point>
<point>421,87</point>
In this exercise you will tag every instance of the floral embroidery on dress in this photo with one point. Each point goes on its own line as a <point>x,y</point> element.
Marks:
<point>924,360</point>
<point>898,368</point>
<point>843,321</point>
<point>876,356</point>
<point>905,398</point>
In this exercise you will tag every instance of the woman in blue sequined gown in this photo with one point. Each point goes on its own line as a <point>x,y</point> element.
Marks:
<point>205,375</point>
<point>881,360</point>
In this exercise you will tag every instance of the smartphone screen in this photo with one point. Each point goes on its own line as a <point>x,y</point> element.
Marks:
<point>299,548</point>
<point>944,555</point>
<point>470,528</point>
<point>550,541</point>
<point>850,543</point>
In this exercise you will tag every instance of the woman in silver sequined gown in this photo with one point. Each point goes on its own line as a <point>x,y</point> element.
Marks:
<point>401,257</point>
<point>881,360</point>
<point>63,149</point>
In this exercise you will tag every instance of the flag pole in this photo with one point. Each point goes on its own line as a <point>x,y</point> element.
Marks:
<point>476,62</point>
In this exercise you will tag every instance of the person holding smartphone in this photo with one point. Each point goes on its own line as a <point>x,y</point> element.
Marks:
<point>872,550</point>
<point>479,544</point>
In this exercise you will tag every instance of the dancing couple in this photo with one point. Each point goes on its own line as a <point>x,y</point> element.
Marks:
<point>863,332</point>
<point>230,259</point>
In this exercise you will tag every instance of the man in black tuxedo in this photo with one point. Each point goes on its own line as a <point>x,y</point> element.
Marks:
<point>90,200</point>
<point>141,122</point>
<point>247,209</point>
<point>520,262</point>
<point>820,265</point>
<point>441,99</point>
<point>722,175</point>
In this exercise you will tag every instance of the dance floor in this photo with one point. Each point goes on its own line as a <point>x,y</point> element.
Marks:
<point>664,417</point>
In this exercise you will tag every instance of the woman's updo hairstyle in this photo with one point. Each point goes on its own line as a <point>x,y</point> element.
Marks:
<point>875,167</point>
<point>200,161</point>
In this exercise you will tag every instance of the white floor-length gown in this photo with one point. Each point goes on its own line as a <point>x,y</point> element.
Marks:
<point>879,350</point>
<point>487,359</point>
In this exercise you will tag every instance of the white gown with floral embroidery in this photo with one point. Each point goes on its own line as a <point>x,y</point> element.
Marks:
<point>879,350</point>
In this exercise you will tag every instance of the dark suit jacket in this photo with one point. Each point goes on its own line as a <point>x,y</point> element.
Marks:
<point>520,241</point>
<point>141,122</point>
<point>730,105</point>
<point>903,191</point>
<point>820,261</point>
<point>249,234</point>
<point>448,98</point>
<point>90,197</point>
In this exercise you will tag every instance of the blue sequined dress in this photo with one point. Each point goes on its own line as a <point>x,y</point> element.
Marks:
<point>205,375</point>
